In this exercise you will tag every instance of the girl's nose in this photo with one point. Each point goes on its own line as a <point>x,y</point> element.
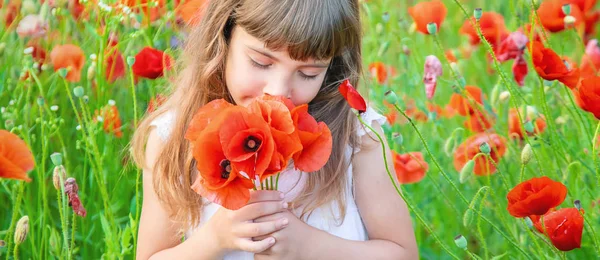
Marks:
<point>278,87</point>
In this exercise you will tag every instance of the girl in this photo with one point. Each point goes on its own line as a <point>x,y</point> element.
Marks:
<point>303,50</point>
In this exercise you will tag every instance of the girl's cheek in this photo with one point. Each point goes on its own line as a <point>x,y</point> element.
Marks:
<point>245,85</point>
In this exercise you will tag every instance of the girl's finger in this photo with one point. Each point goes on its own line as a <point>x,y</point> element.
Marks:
<point>249,230</point>
<point>259,209</point>
<point>265,195</point>
<point>255,246</point>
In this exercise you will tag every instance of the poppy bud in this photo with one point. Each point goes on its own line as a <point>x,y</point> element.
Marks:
<point>461,242</point>
<point>93,57</point>
<point>449,145</point>
<point>477,13</point>
<point>504,96</point>
<point>91,72</point>
<point>62,72</point>
<point>432,28</point>
<point>9,124</point>
<point>40,101</point>
<point>59,174</point>
<point>485,148</point>
<point>385,17</point>
<point>397,138</point>
<point>569,20</point>
<point>532,113</point>
<point>21,230</point>
<point>391,97</point>
<point>78,91</point>
<point>566,8</point>
<point>528,126</point>
<point>130,61</point>
<point>467,171</point>
<point>468,217</point>
<point>526,154</point>
<point>56,159</point>
<point>54,108</point>
<point>462,81</point>
<point>577,204</point>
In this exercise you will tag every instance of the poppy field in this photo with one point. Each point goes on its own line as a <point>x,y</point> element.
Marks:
<point>493,112</point>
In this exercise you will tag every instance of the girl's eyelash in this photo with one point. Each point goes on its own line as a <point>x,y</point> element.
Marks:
<point>306,77</point>
<point>258,65</point>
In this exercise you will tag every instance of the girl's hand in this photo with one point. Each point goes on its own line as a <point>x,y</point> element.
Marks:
<point>291,242</point>
<point>234,229</point>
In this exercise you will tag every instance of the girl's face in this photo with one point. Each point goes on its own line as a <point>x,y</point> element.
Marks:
<point>252,70</point>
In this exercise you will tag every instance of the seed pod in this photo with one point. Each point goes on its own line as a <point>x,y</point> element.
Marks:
<point>526,154</point>
<point>22,230</point>
<point>59,174</point>
<point>461,242</point>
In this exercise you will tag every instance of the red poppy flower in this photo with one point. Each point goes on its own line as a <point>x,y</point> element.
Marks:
<point>278,117</point>
<point>355,100</point>
<point>218,180</point>
<point>190,11</point>
<point>552,16</point>
<point>538,32</point>
<point>410,167</point>
<point>152,9</point>
<point>535,196</point>
<point>564,228</point>
<point>16,160</point>
<point>450,56</point>
<point>38,53</point>
<point>520,70</point>
<point>380,71</point>
<point>550,66</point>
<point>588,95</point>
<point>424,13</point>
<point>479,122</point>
<point>76,8</point>
<point>512,47</point>
<point>470,147</point>
<point>204,116</point>
<point>155,102</point>
<point>315,138</point>
<point>111,120</point>
<point>10,13</point>
<point>516,130</point>
<point>151,63</point>
<point>492,27</point>
<point>463,105</point>
<point>68,56</point>
<point>114,62</point>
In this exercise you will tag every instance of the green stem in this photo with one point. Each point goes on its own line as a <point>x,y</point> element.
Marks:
<point>17,208</point>
<point>408,202</point>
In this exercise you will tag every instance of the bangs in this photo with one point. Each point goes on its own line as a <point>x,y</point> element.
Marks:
<point>318,29</point>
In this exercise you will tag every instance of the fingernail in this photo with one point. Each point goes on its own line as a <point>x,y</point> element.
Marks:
<point>285,205</point>
<point>284,222</point>
<point>271,240</point>
<point>281,195</point>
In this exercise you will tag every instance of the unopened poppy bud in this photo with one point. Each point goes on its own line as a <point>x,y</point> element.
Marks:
<point>526,154</point>
<point>477,13</point>
<point>385,17</point>
<point>130,61</point>
<point>468,217</point>
<point>40,101</point>
<point>528,222</point>
<point>467,171</point>
<point>54,108</point>
<point>56,159</point>
<point>93,57</point>
<point>529,128</point>
<point>449,145</point>
<point>391,97</point>
<point>577,204</point>
<point>91,72</point>
<point>397,138</point>
<point>9,124</point>
<point>485,148</point>
<point>461,242</point>
<point>569,20</point>
<point>379,28</point>
<point>566,8</point>
<point>21,230</point>
<point>62,72</point>
<point>432,28</point>
<point>86,99</point>
<point>59,174</point>
<point>504,96</point>
<point>78,91</point>
<point>532,112</point>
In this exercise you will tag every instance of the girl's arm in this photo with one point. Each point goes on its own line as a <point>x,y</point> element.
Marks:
<point>384,213</point>
<point>158,236</point>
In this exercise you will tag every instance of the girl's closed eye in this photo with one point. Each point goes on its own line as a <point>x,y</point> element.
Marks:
<point>259,64</point>
<point>308,76</point>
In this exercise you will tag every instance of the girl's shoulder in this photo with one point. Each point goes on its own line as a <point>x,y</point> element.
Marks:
<point>372,118</point>
<point>164,124</point>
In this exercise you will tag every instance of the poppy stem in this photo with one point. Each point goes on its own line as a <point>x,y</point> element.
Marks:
<point>594,155</point>
<point>14,219</point>
<point>593,233</point>
<point>451,182</point>
<point>405,198</point>
<point>522,173</point>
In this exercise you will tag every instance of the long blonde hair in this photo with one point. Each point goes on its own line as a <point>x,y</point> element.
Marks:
<point>317,29</point>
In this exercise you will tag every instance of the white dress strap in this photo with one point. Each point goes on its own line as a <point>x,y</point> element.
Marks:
<point>368,117</point>
<point>164,124</point>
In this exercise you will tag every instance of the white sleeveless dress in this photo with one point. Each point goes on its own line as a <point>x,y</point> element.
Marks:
<point>291,181</point>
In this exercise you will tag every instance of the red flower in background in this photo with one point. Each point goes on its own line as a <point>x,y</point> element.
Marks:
<point>380,71</point>
<point>470,147</point>
<point>479,122</point>
<point>151,63</point>
<point>152,9</point>
<point>114,62</point>
<point>191,10</point>
<point>535,196</point>
<point>550,66</point>
<point>552,17</point>
<point>410,167</point>
<point>16,160</point>
<point>492,27</point>
<point>11,12</point>
<point>588,95</point>
<point>155,102</point>
<point>520,70</point>
<point>424,13</point>
<point>590,62</point>
<point>111,120</point>
<point>68,56</point>
<point>355,100</point>
<point>564,228</point>
<point>463,105</point>
<point>516,130</point>
<point>432,70</point>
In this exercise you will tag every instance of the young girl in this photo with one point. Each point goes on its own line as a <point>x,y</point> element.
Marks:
<point>303,50</point>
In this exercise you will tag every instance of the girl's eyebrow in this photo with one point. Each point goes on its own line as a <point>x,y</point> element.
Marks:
<point>315,65</point>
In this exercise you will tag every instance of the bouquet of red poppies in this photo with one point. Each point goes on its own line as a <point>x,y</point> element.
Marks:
<point>242,148</point>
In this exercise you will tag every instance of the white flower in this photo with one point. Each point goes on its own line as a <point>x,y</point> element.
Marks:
<point>54,108</point>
